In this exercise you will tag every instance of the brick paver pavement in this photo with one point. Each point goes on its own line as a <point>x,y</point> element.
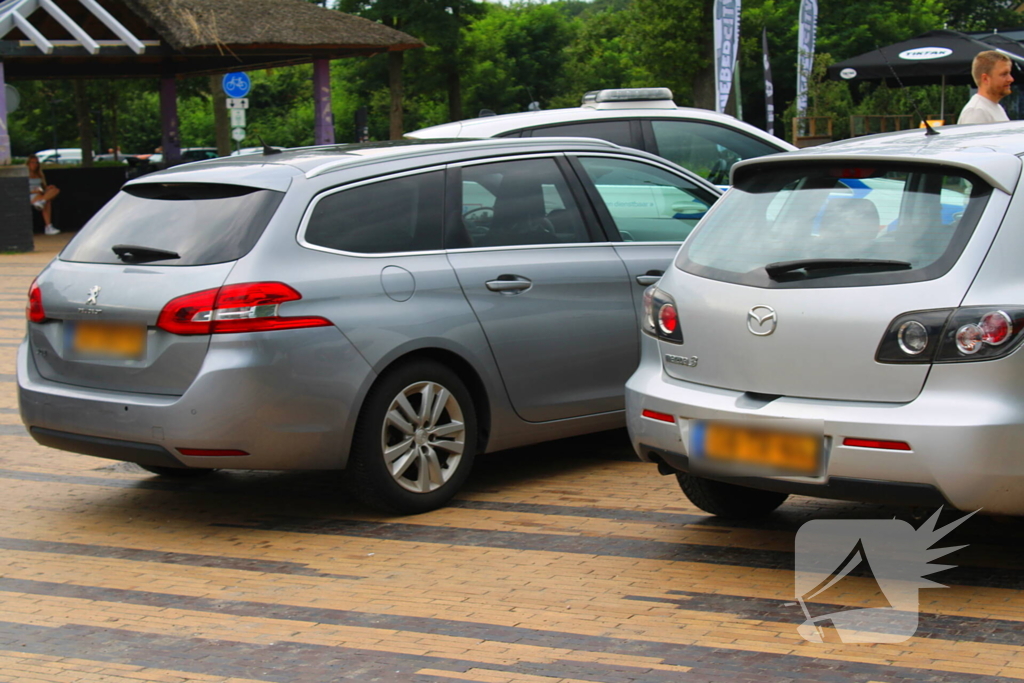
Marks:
<point>565,562</point>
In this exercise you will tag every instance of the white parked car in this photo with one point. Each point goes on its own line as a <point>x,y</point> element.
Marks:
<point>63,155</point>
<point>846,323</point>
<point>700,140</point>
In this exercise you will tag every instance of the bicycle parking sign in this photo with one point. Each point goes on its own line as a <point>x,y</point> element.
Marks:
<point>236,84</point>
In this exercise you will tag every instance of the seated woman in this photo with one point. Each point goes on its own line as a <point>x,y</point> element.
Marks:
<point>40,194</point>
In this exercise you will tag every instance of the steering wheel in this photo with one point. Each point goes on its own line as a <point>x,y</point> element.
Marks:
<point>486,213</point>
<point>719,174</point>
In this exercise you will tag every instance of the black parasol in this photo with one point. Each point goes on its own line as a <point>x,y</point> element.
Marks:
<point>938,57</point>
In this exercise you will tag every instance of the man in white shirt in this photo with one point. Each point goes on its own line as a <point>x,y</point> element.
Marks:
<point>991,72</point>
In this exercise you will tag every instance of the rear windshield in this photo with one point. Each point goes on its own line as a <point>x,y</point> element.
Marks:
<point>831,226</point>
<point>175,224</point>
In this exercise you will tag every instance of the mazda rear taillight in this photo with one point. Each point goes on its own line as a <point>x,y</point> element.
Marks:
<point>248,307</point>
<point>950,336</point>
<point>660,318</point>
<point>34,311</point>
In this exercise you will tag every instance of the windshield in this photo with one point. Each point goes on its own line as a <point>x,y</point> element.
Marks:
<point>829,226</point>
<point>187,223</point>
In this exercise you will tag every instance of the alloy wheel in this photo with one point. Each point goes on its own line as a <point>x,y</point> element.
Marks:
<point>423,437</point>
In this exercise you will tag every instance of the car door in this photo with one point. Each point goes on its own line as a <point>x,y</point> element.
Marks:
<point>647,211</point>
<point>551,294</point>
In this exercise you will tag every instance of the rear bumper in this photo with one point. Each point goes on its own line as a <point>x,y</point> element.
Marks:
<point>966,432</point>
<point>141,453</point>
<point>289,399</point>
<point>838,488</point>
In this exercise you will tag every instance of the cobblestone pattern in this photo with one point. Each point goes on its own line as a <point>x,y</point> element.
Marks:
<point>562,563</point>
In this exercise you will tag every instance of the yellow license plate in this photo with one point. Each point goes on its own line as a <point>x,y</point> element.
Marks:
<point>768,450</point>
<point>122,341</point>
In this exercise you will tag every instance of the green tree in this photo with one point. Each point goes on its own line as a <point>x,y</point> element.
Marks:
<point>516,55</point>
<point>672,42</point>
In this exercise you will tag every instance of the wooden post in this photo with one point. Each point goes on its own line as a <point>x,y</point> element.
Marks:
<point>323,127</point>
<point>395,82</point>
<point>169,120</point>
<point>221,124</point>
<point>5,139</point>
<point>84,122</point>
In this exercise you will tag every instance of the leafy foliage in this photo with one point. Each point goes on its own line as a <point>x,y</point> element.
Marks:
<point>485,55</point>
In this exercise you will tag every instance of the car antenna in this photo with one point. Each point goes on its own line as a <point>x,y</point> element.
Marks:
<point>267,149</point>
<point>928,128</point>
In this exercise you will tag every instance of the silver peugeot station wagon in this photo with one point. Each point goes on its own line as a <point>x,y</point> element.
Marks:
<point>845,324</point>
<point>392,309</point>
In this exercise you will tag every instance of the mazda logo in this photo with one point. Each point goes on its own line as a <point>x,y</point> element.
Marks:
<point>761,320</point>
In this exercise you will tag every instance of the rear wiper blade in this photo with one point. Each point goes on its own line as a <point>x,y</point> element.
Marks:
<point>856,265</point>
<point>132,253</point>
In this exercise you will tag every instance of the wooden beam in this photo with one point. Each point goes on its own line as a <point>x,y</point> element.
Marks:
<point>115,26</point>
<point>69,24</point>
<point>37,38</point>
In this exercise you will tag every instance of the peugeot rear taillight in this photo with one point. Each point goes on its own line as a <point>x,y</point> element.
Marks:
<point>248,307</point>
<point>34,311</point>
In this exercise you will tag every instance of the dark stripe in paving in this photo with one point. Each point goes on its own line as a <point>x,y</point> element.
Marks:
<point>646,549</point>
<point>939,626</point>
<point>8,377</point>
<point>981,574</point>
<point>8,411</point>
<point>641,516</point>
<point>16,343</point>
<point>13,430</point>
<point>291,662</point>
<point>155,484</point>
<point>137,555</point>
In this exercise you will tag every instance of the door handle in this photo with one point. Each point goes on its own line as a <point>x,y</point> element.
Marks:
<point>509,284</point>
<point>649,278</point>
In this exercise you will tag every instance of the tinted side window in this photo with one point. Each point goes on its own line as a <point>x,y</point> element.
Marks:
<point>704,148</point>
<point>612,131</point>
<point>517,203</point>
<point>647,203</point>
<point>401,214</point>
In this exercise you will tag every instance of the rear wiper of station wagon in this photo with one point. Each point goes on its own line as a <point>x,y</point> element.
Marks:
<point>131,253</point>
<point>778,271</point>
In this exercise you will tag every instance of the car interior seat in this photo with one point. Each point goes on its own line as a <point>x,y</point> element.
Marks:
<point>519,216</point>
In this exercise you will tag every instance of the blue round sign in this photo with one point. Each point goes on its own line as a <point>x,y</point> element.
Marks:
<point>236,84</point>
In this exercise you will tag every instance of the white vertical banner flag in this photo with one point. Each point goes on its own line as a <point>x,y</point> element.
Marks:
<point>769,87</point>
<point>727,36</point>
<point>805,52</point>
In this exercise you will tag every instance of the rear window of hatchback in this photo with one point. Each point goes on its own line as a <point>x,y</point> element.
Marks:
<point>837,226</point>
<point>199,223</point>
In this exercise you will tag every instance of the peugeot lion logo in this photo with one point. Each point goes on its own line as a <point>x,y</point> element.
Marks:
<point>761,320</point>
<point>93,293</point>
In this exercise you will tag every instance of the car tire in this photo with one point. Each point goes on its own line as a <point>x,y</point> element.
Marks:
<point>408,460</point>
<point>728,501</point>
<point>178,472</point>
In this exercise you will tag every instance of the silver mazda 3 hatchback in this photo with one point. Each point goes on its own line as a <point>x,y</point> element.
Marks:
<point>391,309</point>
<point>845,323</point>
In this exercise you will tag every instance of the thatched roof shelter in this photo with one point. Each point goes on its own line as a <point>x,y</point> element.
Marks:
<point>179,37</point>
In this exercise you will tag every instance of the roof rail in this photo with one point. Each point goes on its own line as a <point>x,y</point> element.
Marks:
<point>428,147</point>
